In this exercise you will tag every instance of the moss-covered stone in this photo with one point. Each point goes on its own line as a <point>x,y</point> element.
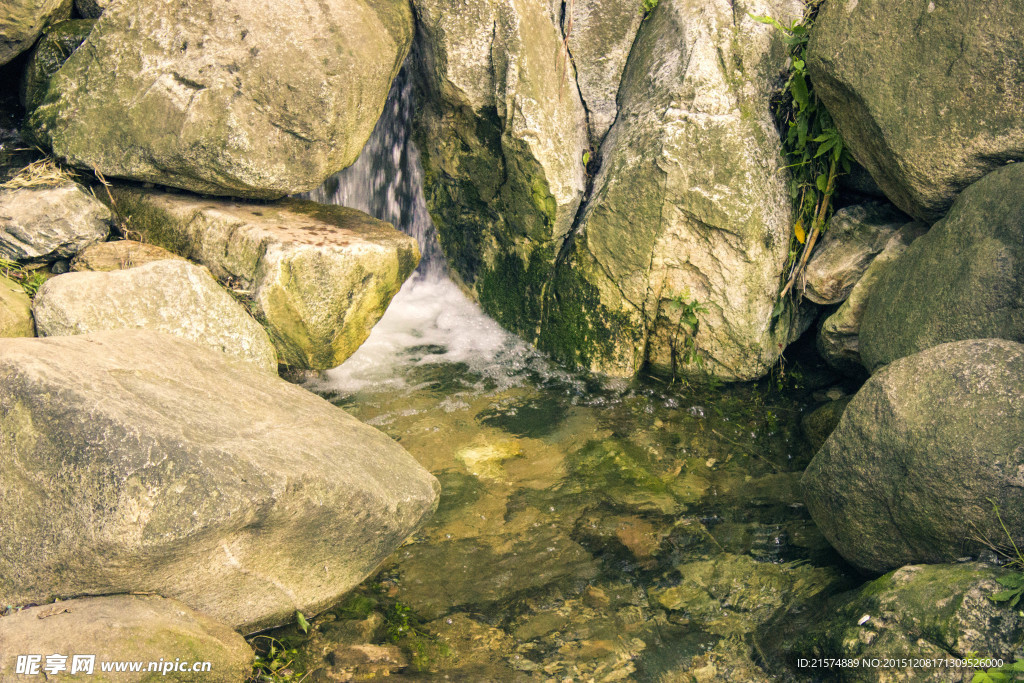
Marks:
<point>127,628</point>
<point>925,94</point>
<point>15,310</point>
<point>318,276</point>
<point>819,424</point>
<point>226,99</point>
<point>59,41</point>
<point>916,612</point>
<point>962,280</point>
<point>921,454</point>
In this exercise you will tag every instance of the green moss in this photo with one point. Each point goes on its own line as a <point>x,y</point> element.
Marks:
<point>153,225</point>
<point>52,50</point>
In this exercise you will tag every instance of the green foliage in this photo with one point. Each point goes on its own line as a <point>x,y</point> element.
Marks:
<point>273,663</point>
<point>30,280</point>
<point>300,619</point>
<point>812,145</point>
<point>647,6</point>
<point>688,326</point>
<point>1002,674</point>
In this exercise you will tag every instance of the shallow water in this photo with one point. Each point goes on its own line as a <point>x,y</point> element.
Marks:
<point>587,529</point>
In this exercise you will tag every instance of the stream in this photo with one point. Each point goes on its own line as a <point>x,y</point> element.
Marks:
<point>588,528</point>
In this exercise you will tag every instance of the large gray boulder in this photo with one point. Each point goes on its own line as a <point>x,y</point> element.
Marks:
<point>319,277</point>
<point>48,223</point>
<point>839,336</point>
<point>690,205</point>
<point>124,628</point>
<point>135,461</point>
<point>853,237</point>
<point>922,453</point>
<point>172,296</point>
<point>917,612</point>
<point>15,310</point>
<point>927,95</point>
<point>238,98</point>
<point>962,280</point>
<point>21,22</point>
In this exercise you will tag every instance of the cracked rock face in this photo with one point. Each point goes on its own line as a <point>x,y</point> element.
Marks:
<point>41,225</point>
<point>227,98</point>
<point>134,461</point>
<point>927,95</point>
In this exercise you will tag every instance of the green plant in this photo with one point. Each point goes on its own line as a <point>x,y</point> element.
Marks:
<point>273,661</point>
<point>647,6</point>
<point>688,326</point>
<point>1002,674</point>
<point>30,280</point>
<point>813,148</point>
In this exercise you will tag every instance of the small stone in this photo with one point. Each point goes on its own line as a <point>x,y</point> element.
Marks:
<point>42,225</point>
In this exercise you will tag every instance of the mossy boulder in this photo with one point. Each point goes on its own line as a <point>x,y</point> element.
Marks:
<point>502,130</point>
<point>318,276</point>
<point>838,339</point>
<point>126,628</point>
<point>853,237</point>
<point>172,296</point>
<point>21,22</point>
<point>916,612</point>
<point>927,96</point>
<point>690,205</point>
<point>962,280</point>
<point>136,461</point>
<point>922,453</point>
<point>243,99</point>
<point>43,224</point>
<point>15,310</point>
<point>822,421</point>
<point>59,42</point>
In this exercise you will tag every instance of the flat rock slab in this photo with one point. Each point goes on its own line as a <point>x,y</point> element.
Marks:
<point>50,223</point>
<point>119,255</point>
<point>135,461</point>
<point>320,276</point>
<point>172,296</point>
<point>157,634</point>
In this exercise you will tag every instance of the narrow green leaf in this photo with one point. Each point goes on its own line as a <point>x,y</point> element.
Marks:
<point>798,86</point>
<point>301,619</point>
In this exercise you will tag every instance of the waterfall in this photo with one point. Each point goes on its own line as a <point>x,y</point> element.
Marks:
<point>386,181</point>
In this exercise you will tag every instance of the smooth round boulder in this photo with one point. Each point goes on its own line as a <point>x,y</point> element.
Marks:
<point>136,461</point>
<point>92,637</point>
<point>964,279</point>
<point>248,99</point>
<point>927,95</point>
<point>172,296</point>
<point>921,455</point>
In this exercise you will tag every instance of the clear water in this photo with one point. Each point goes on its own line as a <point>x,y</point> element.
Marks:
<point>587,529</point>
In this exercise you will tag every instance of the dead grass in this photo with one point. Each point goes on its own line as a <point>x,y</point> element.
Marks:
<point>43,173</point>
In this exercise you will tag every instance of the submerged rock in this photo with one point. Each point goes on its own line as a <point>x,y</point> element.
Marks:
<point>926,95</point>
<point>922,453</point>
<point>236,98</point>
<point>172,296</point>
<point>839,337</point>
<point>916,612</point>
<point>852,239</point>
<point>41,225</point>
<point>125,628</point>
<point>318,276</point>
<point>962,280</point>
<point>119,255</point>
<point>21,22</point>
<point>689,210</point>
<point>138,461</point>
<point>15,310</point>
